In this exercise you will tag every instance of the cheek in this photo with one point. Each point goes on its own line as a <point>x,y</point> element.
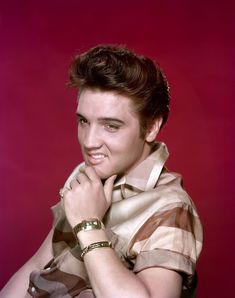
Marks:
<point>80,137</point>
<point>118,142</point>
<point>125,144</point>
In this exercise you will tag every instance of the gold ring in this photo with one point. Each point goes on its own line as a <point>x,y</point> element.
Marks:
<point>61,192</point>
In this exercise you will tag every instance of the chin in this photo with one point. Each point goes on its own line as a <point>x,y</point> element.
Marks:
<point>103,174</point>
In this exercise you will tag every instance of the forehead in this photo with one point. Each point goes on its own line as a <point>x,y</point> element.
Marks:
<point>105,103</point>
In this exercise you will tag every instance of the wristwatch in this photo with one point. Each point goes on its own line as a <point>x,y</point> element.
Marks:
<point>88,225</point>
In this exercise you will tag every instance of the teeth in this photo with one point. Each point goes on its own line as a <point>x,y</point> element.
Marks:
<point>98,156</point>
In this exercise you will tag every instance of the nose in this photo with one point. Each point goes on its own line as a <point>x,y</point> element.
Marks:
<point>92,138</point>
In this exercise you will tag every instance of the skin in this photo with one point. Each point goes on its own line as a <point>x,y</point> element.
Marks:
<point>111,148</point>
<point>109,136</point>
<point>109,133</point>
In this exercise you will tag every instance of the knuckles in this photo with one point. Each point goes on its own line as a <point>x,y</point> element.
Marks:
<point>84,189</point>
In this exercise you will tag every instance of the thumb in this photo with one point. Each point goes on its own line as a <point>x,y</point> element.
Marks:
<point>108,187</point>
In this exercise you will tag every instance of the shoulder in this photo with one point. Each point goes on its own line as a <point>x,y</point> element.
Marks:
<point>170,189</point>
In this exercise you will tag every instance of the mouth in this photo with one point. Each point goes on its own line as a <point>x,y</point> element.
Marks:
<point>96,158</point>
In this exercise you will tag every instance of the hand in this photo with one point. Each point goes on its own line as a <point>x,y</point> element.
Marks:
<point>88,197</point>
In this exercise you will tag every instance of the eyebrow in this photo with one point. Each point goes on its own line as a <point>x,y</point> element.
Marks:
<point>108,119</point>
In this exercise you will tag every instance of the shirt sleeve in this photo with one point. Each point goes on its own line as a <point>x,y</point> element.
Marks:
<point>171,238</point>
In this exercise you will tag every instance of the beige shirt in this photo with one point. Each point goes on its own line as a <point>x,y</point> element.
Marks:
<point>152,222</point>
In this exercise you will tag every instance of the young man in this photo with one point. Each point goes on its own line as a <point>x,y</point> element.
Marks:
<point>125,227</point>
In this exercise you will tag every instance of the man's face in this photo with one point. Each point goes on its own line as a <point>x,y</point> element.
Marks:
<point>109,133</point>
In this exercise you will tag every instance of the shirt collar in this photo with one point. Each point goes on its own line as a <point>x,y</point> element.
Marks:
<point>145,175</point>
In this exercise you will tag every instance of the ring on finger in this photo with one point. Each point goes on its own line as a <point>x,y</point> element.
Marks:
<point>61,192</point>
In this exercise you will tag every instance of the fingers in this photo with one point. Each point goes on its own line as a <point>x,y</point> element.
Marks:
<point>73,183</point>
<point>63,192</point>
<point>81,178</point>
<point>87,197</point>
<point>91,173</point>
<point>108,187</point>
<point>88,174</point>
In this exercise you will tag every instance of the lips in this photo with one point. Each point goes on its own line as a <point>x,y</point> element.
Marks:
<point>96,158</point>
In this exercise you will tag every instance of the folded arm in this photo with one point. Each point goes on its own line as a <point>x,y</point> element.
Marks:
<point>109,278</point>
<point>88,198</point>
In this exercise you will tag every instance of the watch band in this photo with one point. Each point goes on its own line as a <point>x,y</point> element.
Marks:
<point>88,225</point>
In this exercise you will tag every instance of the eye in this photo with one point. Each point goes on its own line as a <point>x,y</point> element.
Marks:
<point>81,121</point>
<point>111,127</point>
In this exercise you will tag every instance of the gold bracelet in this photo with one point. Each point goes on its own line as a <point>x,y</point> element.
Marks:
<point>95,245</point>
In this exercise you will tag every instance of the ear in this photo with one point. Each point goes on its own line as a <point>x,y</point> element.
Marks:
<point>153,130</point>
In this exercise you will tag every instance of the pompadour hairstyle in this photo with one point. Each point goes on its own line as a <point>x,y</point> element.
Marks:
<point>116,68</point>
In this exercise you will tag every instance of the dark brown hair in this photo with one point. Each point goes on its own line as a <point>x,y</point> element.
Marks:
<point>116,68</point>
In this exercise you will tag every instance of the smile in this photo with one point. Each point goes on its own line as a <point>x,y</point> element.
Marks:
<point>95,159</point>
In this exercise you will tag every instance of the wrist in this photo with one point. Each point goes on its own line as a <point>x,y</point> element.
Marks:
<point>87,225</point>
<point>91,235</point>
<point>95,245</point>
<point>85,239</point>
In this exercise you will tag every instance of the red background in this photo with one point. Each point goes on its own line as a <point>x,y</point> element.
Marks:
<point>193,41</point>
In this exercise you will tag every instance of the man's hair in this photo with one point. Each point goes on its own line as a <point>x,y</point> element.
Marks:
<point>116,68</point>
